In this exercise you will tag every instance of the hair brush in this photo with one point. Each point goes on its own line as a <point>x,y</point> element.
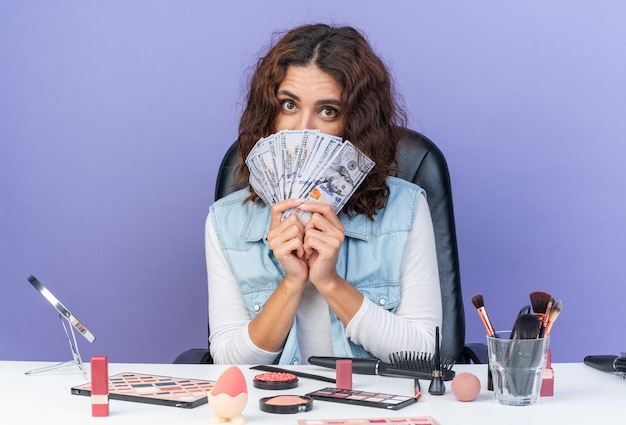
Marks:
<point>402,365</point>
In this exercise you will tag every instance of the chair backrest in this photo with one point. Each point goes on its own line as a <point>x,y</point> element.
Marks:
<point>421,162</point>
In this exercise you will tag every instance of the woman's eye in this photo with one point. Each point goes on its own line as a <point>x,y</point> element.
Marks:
<point>328,112</point>
<point>288,105</point>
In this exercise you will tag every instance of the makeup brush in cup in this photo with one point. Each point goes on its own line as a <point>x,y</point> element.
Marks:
<point>522,355</point>
<point>527,326</point>
<point>546,317</point>
<point>479,303</point>
<point>554,313</point>
<point>542,304</point>
<point>523,310</point>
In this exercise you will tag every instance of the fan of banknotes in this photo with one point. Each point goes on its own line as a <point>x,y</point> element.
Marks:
<point>306,164</point>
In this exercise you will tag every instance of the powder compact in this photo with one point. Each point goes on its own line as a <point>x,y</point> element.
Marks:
<point>275,381</point>
<point>286,404</point>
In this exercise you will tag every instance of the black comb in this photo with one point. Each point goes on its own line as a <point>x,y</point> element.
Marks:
<point>424,362</point>
<point>420,367</point>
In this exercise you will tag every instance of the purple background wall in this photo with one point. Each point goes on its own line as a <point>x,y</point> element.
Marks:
<point>114,117</point>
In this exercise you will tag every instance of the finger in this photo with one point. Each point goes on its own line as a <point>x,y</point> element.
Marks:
<point>289,248</point>
<point>324,243</point>
<point>322,237</point>
<point>323,210</point>
<point>325,225</point>
<point>289,229</point>
<point>279,208</point>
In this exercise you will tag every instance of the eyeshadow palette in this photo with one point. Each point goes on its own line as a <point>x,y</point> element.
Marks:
<point>422,420</point>
<point>363,398</point>
<point>153,389</point>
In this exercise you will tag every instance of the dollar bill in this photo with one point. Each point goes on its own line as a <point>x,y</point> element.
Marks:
<point>306,164</point>
<point>294,145</point>
<point>338,179</point>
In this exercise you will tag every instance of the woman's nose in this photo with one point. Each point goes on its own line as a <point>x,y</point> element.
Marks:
<point>306,122</point>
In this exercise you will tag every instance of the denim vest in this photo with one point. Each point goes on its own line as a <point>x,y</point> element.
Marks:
<point>370,257</point>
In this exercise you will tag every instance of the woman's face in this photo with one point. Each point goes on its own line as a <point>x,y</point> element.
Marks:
<point>309,100</point>
<point>339,184</point>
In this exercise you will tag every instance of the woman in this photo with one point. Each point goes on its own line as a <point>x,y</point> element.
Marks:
<point>358,284</point>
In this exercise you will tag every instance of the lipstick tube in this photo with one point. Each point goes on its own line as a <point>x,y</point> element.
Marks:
<point>344,374</point>
<point>547,382</point>
<point>99,386</point>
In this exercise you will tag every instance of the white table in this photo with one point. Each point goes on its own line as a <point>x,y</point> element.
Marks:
<point>582,396</point>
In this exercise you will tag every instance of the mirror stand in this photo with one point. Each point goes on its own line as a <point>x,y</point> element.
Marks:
<point>75,353</point>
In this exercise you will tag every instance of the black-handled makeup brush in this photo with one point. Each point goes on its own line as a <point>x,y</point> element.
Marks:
<point>523,310</point>
<point>437,387</point>
<point>526,326</point>
<point>268,368</point>
<point>523,354</point>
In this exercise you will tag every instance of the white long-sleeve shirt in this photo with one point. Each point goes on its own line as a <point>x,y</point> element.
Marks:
<point>376,329</point>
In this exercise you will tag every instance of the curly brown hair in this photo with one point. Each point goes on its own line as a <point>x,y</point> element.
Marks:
<point>374,122</point>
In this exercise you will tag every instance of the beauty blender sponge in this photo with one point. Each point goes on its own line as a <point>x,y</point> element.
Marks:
<point>465,386</point>
<point>231,382</point>
<point>228,397</point>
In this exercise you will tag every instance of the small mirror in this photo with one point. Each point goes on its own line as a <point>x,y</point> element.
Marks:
<point>64,314</point>
<point>62,309</point>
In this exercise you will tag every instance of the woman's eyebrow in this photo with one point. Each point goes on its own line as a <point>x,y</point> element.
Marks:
<point>288,94</point>
<point>297,98</point>
<point>328,102</point>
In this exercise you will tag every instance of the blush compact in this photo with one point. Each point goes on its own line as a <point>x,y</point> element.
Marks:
<point>275,381</point>
<point>286,404</point>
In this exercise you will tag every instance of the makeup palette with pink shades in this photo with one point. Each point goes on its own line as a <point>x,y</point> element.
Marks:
<point>154,389</point>
<point>422,420</point>
<point>363,398</point>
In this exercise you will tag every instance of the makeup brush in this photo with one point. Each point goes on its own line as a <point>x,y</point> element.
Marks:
<point>554,313</point>
<point>523,310</point>
<point>527,326</point>
<point>418,390</point>
<point>522,354</point>
<point>542,304</point>
<point>539,301</point>
<point>479,303</point>
<point>546,317</point>
<point>437,387</point>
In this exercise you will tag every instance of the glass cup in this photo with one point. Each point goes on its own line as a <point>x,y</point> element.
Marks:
<point>517,366</point>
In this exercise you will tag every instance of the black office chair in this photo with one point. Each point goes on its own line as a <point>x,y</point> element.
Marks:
<point>421,162</point>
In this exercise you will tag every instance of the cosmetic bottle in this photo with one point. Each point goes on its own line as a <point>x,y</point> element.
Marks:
<point>547,383</point>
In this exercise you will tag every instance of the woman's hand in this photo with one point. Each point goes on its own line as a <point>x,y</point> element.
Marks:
<point>286,240</point>
<point>323,236</point>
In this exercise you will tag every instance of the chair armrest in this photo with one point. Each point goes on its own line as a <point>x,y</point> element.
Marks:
<point>194,356</point>
<point>475,353</point>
